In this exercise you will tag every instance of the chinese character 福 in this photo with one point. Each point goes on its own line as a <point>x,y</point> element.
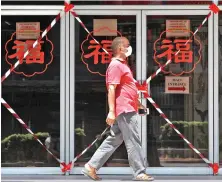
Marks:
<point>35,55</point>
<point>185,54</point>
<point>105,58</point>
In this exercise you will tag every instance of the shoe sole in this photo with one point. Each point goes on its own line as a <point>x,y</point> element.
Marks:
<point>85,173</point>
<point>150,179</point>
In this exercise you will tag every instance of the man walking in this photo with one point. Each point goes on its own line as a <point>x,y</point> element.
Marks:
<point>122,117</point>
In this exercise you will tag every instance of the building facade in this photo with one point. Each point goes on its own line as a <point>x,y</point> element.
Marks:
<point>59,89</point>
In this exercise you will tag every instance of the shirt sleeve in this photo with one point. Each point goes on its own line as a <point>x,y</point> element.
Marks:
<point>114,74</point>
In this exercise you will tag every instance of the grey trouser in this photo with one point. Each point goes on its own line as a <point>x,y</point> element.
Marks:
<point>125,129</point>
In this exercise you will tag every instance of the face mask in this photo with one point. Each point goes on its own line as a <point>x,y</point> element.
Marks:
<point>129,51</point>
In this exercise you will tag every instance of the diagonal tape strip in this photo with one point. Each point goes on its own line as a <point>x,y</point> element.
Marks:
<point>7,106</point>
<point>144,90</point>
<point>83,25</point>
<point>71,164</point>
<point>214,166</point>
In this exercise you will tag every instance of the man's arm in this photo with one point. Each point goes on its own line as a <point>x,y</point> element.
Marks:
<point>114,75</point>
<point>111,97</point>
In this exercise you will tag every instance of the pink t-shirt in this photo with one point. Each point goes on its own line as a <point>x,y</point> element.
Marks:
<point>126,91</point>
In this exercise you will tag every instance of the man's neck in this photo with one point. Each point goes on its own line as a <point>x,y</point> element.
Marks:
<point>120,57</point>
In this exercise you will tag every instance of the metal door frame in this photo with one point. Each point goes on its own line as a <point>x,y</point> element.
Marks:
<point>41,10</point>
<point>182,170</point>
<point>73,22</point>
<point>216,91</point>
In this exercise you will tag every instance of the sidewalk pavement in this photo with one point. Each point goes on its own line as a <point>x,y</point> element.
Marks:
<point>106,178</point>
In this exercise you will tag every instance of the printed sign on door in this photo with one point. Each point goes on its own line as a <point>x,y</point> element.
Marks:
<point>27,30</point>
<point>176,85</point>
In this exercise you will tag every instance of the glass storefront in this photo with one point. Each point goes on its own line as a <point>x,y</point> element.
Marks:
<point>36,99</point>
<point>62,96</point>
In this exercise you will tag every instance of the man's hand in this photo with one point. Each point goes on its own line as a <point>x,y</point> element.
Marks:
<point>140,106</point>
<point>110,120</point>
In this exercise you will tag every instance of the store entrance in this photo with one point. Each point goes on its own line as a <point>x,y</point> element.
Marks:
<point>181,90</point>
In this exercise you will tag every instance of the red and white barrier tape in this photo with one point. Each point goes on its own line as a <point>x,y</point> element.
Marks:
<point>71,164</point>
<point>7,106</point>
<point>214,166</point>
<point>67,8</point>
<point>144,90</point>
<point>66,167</point>
<point>83,25</point>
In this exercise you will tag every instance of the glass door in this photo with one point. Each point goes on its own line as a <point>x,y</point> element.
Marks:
<point>34,90</point>
<point>88,94</point>
<point>183,90</point>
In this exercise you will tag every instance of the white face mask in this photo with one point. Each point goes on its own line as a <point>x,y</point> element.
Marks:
<point>129,51</point>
